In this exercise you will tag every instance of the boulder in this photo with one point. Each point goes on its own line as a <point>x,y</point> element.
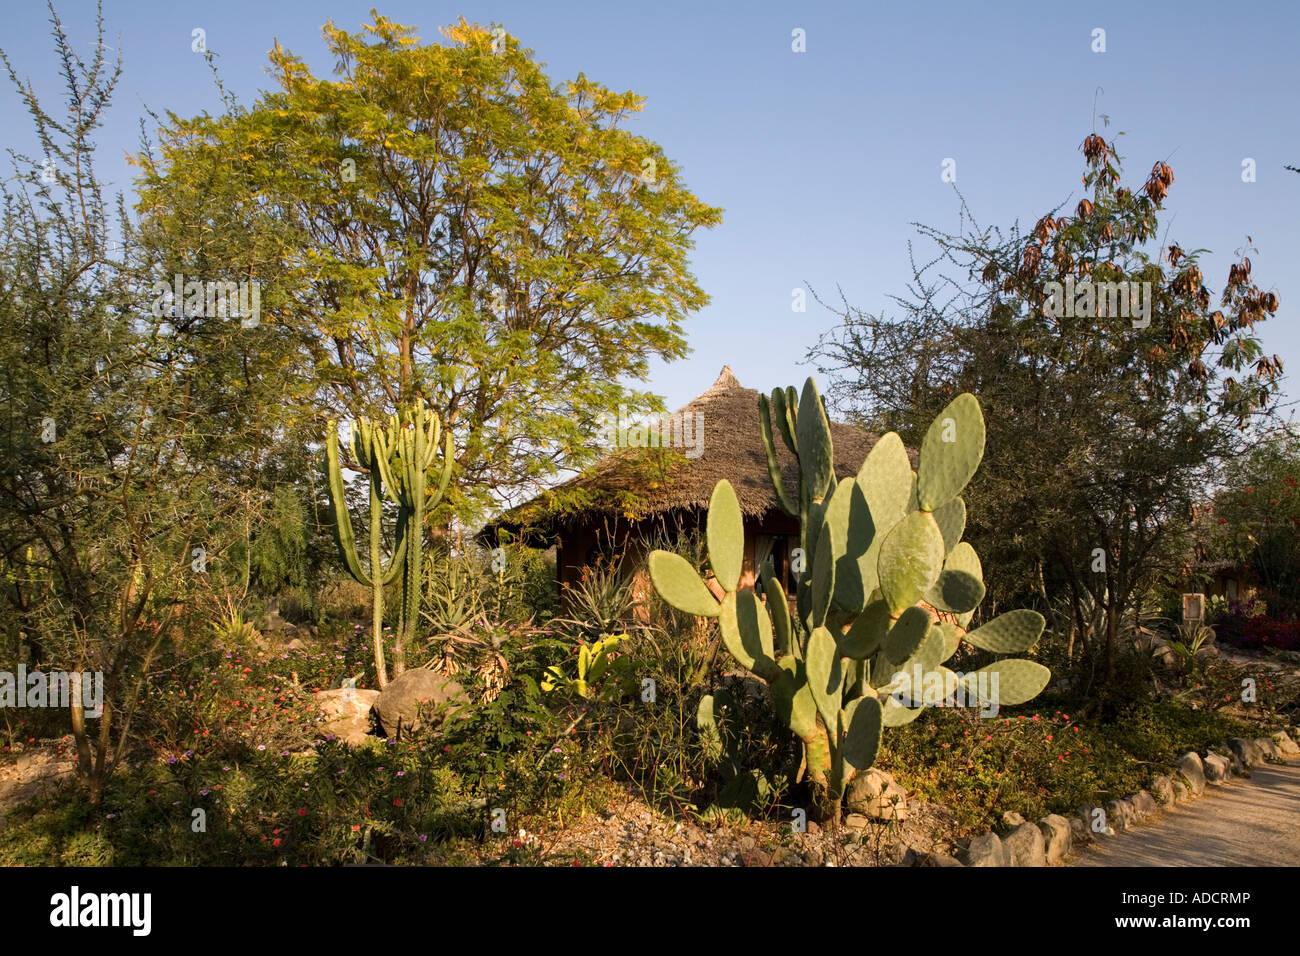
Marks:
<point>1218,769</point>
<point>1097,821</point>
<point>1192,771</point>
<point>1012,819</point>
<point>399,705</point>
<point>1286,744</point>
<point>986,850</point>
<point>1247,751</point>
<point>1181,793</point>
<point>939,859</point>
<point>875,794</point>
<point>1162,788</point>
<point>1164,655</point>
<point>1144,805</point>
<point>347,713</point>
<point>1057,837</point>
<point>1026,845</point>
<point>1269,748</point>
<point>1235,763</point>
<point>1119,815</point>
<point>1080,833</point>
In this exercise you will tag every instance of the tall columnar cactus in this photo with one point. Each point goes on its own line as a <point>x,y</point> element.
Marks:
<point>398,459</point>
<point>414,440</point>
<point>886,588</point>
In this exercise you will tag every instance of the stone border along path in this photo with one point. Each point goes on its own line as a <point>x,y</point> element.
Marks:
<point>1246,823</point>
<point>1253,825</point>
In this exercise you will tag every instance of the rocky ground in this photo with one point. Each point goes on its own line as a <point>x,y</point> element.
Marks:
<point>633,834</point>
<point>28,770</point>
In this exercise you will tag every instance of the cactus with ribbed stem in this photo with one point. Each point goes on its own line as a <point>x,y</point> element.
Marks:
<point>398,459</point>
<point>885,586</point>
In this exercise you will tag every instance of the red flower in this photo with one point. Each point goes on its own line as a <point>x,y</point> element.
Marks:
<point>397,802</point>
<point>275,842</point>
<point>302,811</point>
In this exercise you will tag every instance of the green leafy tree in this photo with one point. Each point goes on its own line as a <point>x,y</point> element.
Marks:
<point>1106,424</point>
<point>440,221</point>
<point>1257,517</point>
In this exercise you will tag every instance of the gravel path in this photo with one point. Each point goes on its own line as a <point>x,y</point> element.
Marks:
<point>1245,822</point>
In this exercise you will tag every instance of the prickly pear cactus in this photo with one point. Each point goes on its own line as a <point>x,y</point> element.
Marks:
<point>886,589</point>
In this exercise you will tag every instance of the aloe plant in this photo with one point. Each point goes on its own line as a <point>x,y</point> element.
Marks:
<point>886,590</point>
<point>594,662</point>
<point>398,458</point>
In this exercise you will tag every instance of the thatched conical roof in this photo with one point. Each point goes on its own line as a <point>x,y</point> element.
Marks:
<point>641,482</point>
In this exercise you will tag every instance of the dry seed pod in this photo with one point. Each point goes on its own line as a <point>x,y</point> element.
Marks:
<point>1084,209</point>
<point>1094,146</point>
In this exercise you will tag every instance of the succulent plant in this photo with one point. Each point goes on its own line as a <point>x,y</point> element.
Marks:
<point>398,459</point>
<point>885,589</point>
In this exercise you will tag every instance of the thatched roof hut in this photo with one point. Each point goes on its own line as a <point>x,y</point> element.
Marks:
<point>637,494</point>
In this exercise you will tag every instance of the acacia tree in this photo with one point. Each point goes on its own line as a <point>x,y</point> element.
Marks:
<point>122,480</point>
<point>442,222</point>
<point>1104,427</point>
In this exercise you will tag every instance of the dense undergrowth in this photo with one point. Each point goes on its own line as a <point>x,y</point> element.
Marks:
<point>229,765</point>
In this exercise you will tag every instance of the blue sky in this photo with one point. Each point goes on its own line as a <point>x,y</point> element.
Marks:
<point>823,159</point>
